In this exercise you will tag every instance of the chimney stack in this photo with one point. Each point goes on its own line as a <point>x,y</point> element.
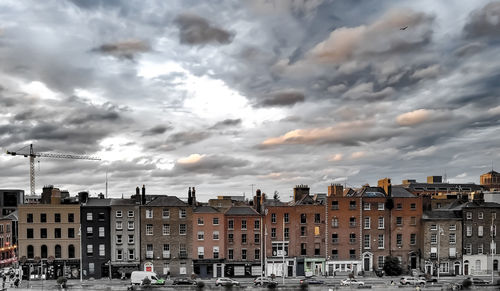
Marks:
<point>335,190</point>
<point>143,195</point>
<point>137,191</point>
<point>193,197</point>
<point>299,192</point>
<point>257,202</point>
<point>386,185</point>
<point>190,199</point>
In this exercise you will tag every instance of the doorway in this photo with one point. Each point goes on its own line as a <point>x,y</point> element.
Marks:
<point>457,268</point>
<point>413,261</point>
<point>466,268</point>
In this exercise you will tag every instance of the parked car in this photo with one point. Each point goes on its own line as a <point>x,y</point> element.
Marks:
<point>479,281</point>
<point>183,281</point>
<point>427,278</point>
<point>411,281</point>
<point>311,281</point>
<point>262,281</point>
<point>226,282</point>
<point>351,282</point>
<point>137,277</point>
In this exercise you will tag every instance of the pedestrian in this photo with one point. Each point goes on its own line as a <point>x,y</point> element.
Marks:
<point>16,282</point>
<point>168,275</point>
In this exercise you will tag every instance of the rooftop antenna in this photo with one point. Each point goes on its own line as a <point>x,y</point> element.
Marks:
<point>252,190</point>
<point>107,184</point>
<point>445,177</point>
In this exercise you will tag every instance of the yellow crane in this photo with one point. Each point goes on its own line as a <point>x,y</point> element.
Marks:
<point>32,155</point>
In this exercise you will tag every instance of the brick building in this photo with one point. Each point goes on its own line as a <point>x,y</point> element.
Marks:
<point>490,181</point>
<point>208,251</point>
<point>7,247</point>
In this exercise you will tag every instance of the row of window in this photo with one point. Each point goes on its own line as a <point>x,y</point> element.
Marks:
<point>215,221</point>
<point>480,215</point>
<point>480,230</point>
<point>119,239</point>
<point>30,251</point>
<point>381,240</point>
<point>102,250</point>
<point>368,206</point>
<point>130,225</point>
<point>215,252</point>
<point>367,222</point>
<point>480,249</point>
<point>452,238</point>
<point>215,235</point>
<point>43,217</point>
<point>30,233</point>
<point>352,254</point>
<point>166,229</point>
<point>230,238</point>
<point>256,224</point>
<point>230,254</point>
<point>7,228</point>
<point>166,251</point>
<point>120,255</point>
<point>166,213</point>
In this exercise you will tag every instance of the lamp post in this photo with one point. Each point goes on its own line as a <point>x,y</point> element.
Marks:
<point>492,247</point>
<point>440,232</point>
<point>283,251</point>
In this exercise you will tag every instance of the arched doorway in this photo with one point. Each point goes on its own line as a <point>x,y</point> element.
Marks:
<point>367,261</point>
<point>456,268</point>
<point>466,268</point>
<point>413,261</point>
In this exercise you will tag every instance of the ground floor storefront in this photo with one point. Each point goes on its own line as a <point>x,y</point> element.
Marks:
<point>44,269</point>
<point>334,268</point>
<point>208,268</point>
<point>446,267</point>
<point>277,266</point>
<point>121,270</point>
<point>168,267</point>
<point>480,264</point>
<point>243,269</point>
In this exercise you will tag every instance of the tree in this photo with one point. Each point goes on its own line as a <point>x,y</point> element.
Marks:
<point>392,266</point>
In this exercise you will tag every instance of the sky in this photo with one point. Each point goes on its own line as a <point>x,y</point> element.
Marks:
<point>230,96</point>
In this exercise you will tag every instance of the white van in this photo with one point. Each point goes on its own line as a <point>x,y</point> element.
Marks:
<point>137,277</point>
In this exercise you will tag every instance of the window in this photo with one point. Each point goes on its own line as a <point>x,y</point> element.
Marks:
<point>166,229</point>
<point>165,213</point>
<point>43,217</point>
<point>316,231</point>
<point>468,249</point>
<point>381,222</point>
<point>317,218</point>
<point>366,206</point>
<point>29,218</point>
<point>399,221</point>
<point>216,252</point>
<point>130,225</point>
<point>182,229</point>
<point>434,227</point>
<point>244,238</point>
<point>256,238</point>
<point>182,213</point>
<point>130,238</point>
<point>149,213</point>
<point>316,249</point>
<point>119,225</point>
<point>413,206</point>
<point>29,233</point>
<point>352,222</point>
<point>200,221</point>
<point>335,222</point>
<point>381,206</point>
<point>352,254</point>
<point>71,217</point>
<point>90,250</point>
<point>303,218</point>
<point>480,231</point>
<point>201,235</point>
<point>30,252</point>
<point>230,224</point>
<point>243,254</point>
<point>352,238</point>
<point>480,215</point>
<point>131,213</point>
<point>413,220</point>
<point>102,250</point>
<point>303,249</point>
<point>399,239</point>
<point>380,241</point>
<point>273,217</point>
<point>380,262</point>
<point>119,213</point>
<point>243,224</point>
<point>367,223</point>
<point>480,249</point>
<point>119,239</point>
<point>273,232</point>
<point>215,221</point>
<point>71,232</point>
<point>434,239</point>
<point>335,205</point>
<point>91,268</point>
<point>131,254</point>
<point>335,254</point>
<point>71,251</point>
<point>119,254</point>
<point>399,206</point>
<point>352,205</point>
<point>101,216</point>
<point>469,215</point>
<point>468,230</point>
<point>230,237</point>
<point>413,238</point>
<point>256,224</point>
<point>256,254</point>
<point>366,241</point>
<point>201,252</point>
<point>57,217</point>
<point>230,254</point>
<point>453,227</point>
<point>303,231</point>
<point>101,231</point>
<point>149,251</point>
<point>452,238</point>
<point>335,238</point>
<point>149,229</point>
<point>43,233</point>
<point>287,233</point>
<point>57,233</point>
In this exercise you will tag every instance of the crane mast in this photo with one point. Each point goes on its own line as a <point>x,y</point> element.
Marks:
<point>32,155</point>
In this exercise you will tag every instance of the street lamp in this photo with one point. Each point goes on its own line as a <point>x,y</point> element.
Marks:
<point>440,232</point>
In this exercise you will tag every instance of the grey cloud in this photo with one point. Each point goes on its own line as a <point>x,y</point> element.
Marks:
<point>196,30</point>
<point>226,123</point>
<point>484,22</point>
<point>157,130</point>
<point>188,137</point>
<point>469,49</point>
<point>124,49</point>
<point>282,99</point>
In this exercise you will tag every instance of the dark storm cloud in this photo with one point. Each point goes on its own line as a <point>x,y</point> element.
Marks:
<point>282,99</point>
<point>469,49</point>
<point>127,49</point>
<point>196,30</point>
<point>188,137</point>
<point>157,130</point>
<point>484,22</point>
<point>226,123</point>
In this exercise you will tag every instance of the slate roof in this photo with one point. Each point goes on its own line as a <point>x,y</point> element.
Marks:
<point>12,216</point>
<point>481,205</point>
<point>241,210</point>
<point>400,192</point>
<point>167,201</point>
<point>369,192</point>
<point>98,202</point>
<point>205,209</point>
<point>124,202</point>
<point>441,214</point>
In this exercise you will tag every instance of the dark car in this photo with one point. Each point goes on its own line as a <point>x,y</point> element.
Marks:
<point>311,281</point>
<point>183,281</point>
<point>478,281</point>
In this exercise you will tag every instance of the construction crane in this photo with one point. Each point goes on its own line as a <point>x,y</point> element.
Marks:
<point>32,155</point>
